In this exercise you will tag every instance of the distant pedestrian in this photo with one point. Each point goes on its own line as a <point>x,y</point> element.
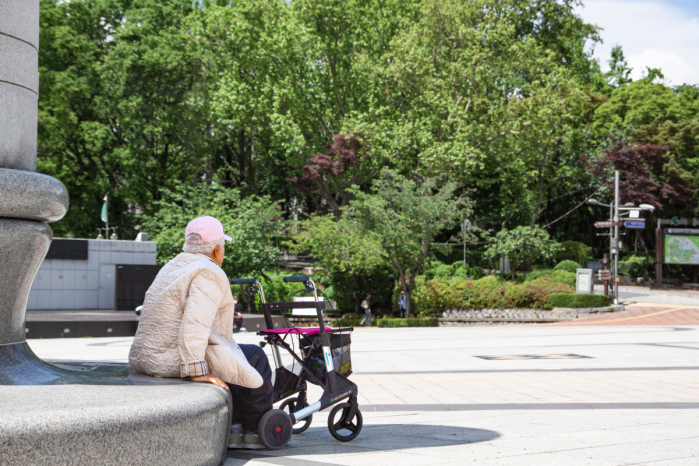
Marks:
<point>366,304</point>
<point>402,304</point>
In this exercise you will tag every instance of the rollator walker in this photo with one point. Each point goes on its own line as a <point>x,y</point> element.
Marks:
<point>325,361</point>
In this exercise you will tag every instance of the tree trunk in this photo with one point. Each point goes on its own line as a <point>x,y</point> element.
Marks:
<point>408,301</point>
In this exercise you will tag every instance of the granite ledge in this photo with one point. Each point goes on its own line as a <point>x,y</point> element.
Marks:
<point>83,413</point>
<point>32,196</point>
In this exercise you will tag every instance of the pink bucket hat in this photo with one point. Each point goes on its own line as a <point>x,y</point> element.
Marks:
<point>209,228</point>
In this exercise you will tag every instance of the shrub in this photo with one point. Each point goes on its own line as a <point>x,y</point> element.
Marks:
<point>556,276</point>
<point>577,300</point>
<point>534,294</point>
<point>346,322</point>
<point>633,266</point>
<point>568,266</point>
<point>410,322</point>
<point>461,272</point>
<point>443,271</point>
<point>439,295</point>
<point>393,323</point>
<point>538,274</point>
<point>486,292</point>
<point>492,291</point>
<point>476,273</point>
<point>574,251</point>
<point>631,269</point>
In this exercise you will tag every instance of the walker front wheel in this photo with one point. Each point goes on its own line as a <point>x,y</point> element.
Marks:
<point>290,405</point>
<point>345,429</point>
<point>275,429</point>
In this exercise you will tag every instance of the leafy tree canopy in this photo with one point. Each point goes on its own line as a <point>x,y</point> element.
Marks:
<point>405,216</point>
<point>521,245</point>
<point>249,221</point>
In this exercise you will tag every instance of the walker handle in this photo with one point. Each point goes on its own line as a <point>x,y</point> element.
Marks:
<point>243,281</point>
<point>295,279</point>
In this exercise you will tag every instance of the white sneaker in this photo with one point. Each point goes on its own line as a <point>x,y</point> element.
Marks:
<point>237,437</point>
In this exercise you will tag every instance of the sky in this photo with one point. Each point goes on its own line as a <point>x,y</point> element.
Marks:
<point>653,33</point>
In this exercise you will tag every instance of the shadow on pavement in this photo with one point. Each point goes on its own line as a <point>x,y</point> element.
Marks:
<point>373,438</point>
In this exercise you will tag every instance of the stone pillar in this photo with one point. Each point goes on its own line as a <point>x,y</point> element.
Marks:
<point>28,200</point>
<point>95,414</point>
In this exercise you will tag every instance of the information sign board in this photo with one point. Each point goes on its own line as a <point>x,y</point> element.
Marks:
<point>674,231</point>
<point>635,224</point>
<point>583,281</point>
<point>681,249</point>
<point>595,265</point>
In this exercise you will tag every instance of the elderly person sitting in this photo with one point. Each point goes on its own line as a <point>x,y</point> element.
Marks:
<point>186,331</point>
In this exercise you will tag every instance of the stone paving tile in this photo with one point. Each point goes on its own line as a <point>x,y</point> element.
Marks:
<point>689,461</point>
<point>643,314</point>
<point>634,401</point>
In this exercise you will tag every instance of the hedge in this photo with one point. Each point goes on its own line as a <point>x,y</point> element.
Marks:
<point>557,276</point>
<point>409,322</point>
<point>344,322</point>
<point>577,300</point>
<point>568,266</point>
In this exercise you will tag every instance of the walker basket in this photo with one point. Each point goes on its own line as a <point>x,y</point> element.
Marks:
<point>340,343</point>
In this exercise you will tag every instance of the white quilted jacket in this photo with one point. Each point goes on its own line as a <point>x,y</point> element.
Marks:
<point>186,325</point>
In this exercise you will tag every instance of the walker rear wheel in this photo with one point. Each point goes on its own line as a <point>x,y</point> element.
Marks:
<point>345,429</point>
<point>275,429</point>
<point>290,405</point>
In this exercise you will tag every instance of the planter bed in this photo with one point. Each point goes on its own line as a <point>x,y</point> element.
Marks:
<point>468,317</point>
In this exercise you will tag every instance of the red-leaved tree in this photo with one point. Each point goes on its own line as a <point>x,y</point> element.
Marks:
<point>644,175</point>
<point>332,174</point>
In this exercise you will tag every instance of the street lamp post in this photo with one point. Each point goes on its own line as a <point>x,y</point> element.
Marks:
<point>614,244</point>
<point>464,229</point>
<point>616,236</point>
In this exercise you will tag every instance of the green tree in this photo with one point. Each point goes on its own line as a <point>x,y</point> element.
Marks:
<point>405,216</point>
<point>468,90</point>
<point>619,71</point>
<point>250,222</point>
<point>254,59</point>
<point>646,112</point>
<point>74,144</point>
<point>117,112</point>
<point>343,250</point>
<point>521,245</point>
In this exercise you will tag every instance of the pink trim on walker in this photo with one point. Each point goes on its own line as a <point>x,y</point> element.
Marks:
<point>307,331</point>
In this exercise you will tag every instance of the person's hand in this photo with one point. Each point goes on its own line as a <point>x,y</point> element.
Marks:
<point>210,379</point>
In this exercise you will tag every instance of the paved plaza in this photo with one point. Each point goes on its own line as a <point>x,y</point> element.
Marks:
<point>611,394</point>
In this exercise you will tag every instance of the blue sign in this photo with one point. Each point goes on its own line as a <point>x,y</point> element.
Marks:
<point>639,225</point>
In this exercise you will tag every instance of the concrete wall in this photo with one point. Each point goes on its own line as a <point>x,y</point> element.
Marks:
<point>90,284</point>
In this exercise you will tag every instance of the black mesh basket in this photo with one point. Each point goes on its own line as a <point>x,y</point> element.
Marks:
<point>339,348</point>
